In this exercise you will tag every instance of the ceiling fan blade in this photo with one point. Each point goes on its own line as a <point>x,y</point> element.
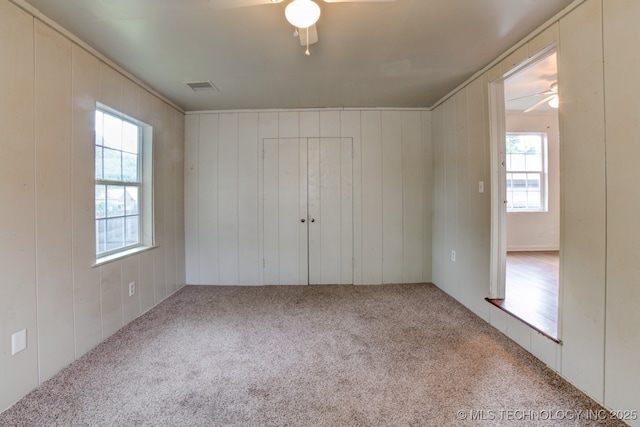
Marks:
<point>545,93</point>
<point>313,35</point>
<point>359,1</point>
<point>539,103</point>
<point>234,4</point>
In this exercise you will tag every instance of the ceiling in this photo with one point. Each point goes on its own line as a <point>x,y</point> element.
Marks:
<point>407,53</point>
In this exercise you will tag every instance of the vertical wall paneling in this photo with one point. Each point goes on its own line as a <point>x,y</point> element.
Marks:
<point>622,64</point>
<point>111,297</point>
<point>371,197</point>
<point>392,198</point>
<point>309,124</point>
<point>130,303</point>
<point>169,172</point>
<point>479,210</point>
<point>350,125</point>
<point>146,285</point>
<point>346,210</point>
<point>438,234</point>
<point>248,194</point>
<point>288,124</point>
<point>53,201</point>
<point>191,199</point>
<point>50,285</point>
<point>375,161</point>
<point>451,196</point>
<point>267,128</point>
<point>412,197</point>
<point>17,184</point>
<point>427,196</point>
<point>583,235</point>
<point>160,165</point>
<point>208,199</point>
<point>463,187</point>
<point>86,278</point>
<point>228,198</point>
<point>271,211</point>
<point>330,123</point>
<point>178,127</point>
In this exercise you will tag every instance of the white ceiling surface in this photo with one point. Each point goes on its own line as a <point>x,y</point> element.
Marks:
<point>407,53</point>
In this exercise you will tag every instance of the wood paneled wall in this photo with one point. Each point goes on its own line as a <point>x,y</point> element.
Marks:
<point>600,221</point>
<point>50,86</point>
<point>391,178</point>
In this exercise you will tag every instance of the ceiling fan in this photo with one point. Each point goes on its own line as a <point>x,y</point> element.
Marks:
<point>550,96</point>
<point>302,14</point>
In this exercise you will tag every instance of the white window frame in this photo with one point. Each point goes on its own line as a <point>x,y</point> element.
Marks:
<point>144,185</point>
<point>543,175</point>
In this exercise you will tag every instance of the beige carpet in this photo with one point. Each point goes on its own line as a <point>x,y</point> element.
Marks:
<point>306,356</point>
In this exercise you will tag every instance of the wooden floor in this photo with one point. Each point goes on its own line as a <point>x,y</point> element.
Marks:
<point>532,289</point>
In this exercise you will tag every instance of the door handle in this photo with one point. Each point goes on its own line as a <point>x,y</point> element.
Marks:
<point>302,220</point>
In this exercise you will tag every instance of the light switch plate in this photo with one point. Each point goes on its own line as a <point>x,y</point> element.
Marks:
<point>18,342</point>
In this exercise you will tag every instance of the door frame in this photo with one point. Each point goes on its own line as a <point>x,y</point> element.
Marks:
<point>497,152</point>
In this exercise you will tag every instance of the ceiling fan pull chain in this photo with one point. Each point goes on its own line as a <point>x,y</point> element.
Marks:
<point>295,32</point>
<point>307,52</point>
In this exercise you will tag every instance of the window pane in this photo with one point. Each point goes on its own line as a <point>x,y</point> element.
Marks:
<point>518,162</point>
<point>533,143</point>
<point>129,167</point>
<point>101,201</point>
<point>101,236</point>
<point>112,165</point>
<point>129,137</point>
<point>99,127</point>
<point>131,201</point>
<point>115,201</point>
<point>533,201</point>
<point>519,200</point>
<point>132,232</point>
<point>112,132</point>
<point>98,165</point>
<point>115,233</point>
<point>534,162</point>
<point>533,181</point>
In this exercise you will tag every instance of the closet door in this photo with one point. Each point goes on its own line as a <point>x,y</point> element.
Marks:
<point>330,201</point>
<point>285,211</point>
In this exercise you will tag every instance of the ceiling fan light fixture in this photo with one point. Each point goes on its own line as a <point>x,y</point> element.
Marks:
<point>302,13</point>
<point>554,102</point>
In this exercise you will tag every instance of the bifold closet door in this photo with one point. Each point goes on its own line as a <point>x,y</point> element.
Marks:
<point>330,201</point>
<point>285,212</point>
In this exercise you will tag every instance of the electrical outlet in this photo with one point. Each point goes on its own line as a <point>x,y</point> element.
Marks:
<point>480,187</point>
<point>132,288</point>
<point>18,342</point>
<point>453,256</point>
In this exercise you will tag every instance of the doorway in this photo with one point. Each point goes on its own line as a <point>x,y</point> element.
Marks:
<point>308,211</point>
<point>526,193</point>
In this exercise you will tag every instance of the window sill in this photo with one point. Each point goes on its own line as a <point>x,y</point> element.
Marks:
<point>124,254</point>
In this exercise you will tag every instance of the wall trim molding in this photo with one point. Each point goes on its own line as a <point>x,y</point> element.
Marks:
<point>22,4</point>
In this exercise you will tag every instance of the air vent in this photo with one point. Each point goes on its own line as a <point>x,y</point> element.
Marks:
<point>201,86</point>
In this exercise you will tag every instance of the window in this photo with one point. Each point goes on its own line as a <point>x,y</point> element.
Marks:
<point>526,161</point>
<point>122,206</point>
